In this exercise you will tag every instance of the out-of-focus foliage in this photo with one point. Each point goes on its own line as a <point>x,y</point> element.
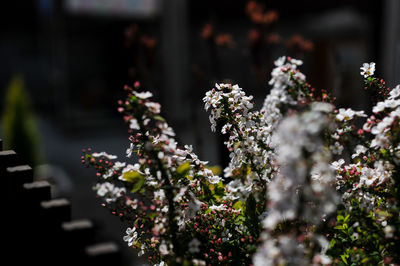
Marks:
<point>20,131</point>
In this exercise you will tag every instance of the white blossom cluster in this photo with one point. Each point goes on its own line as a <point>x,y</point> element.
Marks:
<point>109,191</point>
<point>245,142</point>
<point>231,103</point>
<point>343,117</point>
<point>284,76</point>
<point>360,177</point>
<point>381,130</point>
<point>249,130</point>
<point>304,187</point>
<point>289,158</point>
<point>164,159</point>
<point>284,250</point>
<point>366,178</point>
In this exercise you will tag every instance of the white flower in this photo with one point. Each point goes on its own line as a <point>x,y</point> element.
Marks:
<point>194,245</point>
<point>389,230</point>
<point>271,220</point>
<point>348,114</point>
<point>143,95</point>
<point>154,107</point>
<point>134,124</point>
<point>220,207</point>
<point>368,70</point>
<point>379,107</point>
<point>131,236</point>
<point>142,250</point>
<point>360,149</point>
<point>226,235</point>
<point>213,123</point>
<point>337,165</point>
<point>167,130</point>
<point>103,189</point>
<point>322,259</point>
<point>197,262</point>
<point>109,191</point>
<point>108,156</point>
<point>322,107</point>
<point>163,249</point>
<point>130,150</point>
<point>392,103</point>
<point>214,179</point>
<point>296,61</point>
<point>280,61</point>
<point>395,92</point>
<point>159,195</point>
<point>337,148</point>
<point>367,176</point>
<point>118,165</point>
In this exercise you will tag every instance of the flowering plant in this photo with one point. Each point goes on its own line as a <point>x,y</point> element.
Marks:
<point>304,186</point>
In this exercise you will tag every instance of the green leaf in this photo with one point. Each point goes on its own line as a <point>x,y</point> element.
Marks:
<point>183,169</point>
<point>206,191</point>
<point>134,177</point>
<point>131,176</point>
<point>332,243</point>
<point>186,263</point>
<point>365,260</point>
<point>216,169</point>
<point>159,118</point>
<point>344,258</point>
<point>137,185</point>
<point>238,205</point>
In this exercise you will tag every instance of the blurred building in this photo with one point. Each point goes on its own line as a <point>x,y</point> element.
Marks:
<point>73,55</point>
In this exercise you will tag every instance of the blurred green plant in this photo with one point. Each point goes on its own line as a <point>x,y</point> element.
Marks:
<point>20,131</point>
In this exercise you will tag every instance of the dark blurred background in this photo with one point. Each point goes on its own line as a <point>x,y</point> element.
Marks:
<point>73,58</point>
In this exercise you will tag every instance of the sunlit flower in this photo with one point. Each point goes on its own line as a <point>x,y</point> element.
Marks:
<point>131,236</point>
<point>368,70</point>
